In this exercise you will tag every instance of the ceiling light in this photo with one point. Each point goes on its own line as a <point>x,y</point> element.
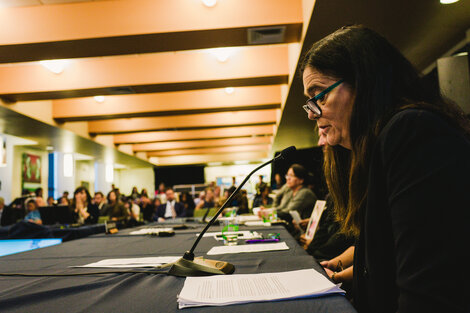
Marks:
<point>49,148</point>
<point>209,3</point>
<point>229,90</point>
<point>55,66</point>
<point>448,1</point>
<point>99,99</point>
<point>222,54</point>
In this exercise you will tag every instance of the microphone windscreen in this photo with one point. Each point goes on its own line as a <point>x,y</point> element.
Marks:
<point>287,152</point>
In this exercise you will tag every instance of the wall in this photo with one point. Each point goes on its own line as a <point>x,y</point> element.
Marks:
<point>125,179</point>
<point>6,172</point>
<point>85,172</point>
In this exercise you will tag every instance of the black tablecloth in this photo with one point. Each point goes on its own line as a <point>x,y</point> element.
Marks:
<point>140,292</point>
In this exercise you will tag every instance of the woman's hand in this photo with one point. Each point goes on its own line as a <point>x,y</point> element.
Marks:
<point>305,241</point>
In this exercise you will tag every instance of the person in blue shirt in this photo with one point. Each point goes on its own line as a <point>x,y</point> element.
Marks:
<point>33,215</point>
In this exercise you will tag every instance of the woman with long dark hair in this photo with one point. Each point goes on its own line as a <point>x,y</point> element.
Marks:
<point>83,210</point>
<point>406,192</point>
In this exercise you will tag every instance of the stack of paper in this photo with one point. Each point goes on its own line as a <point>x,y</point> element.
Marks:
<point>245,288</point>
<point>259,247</point>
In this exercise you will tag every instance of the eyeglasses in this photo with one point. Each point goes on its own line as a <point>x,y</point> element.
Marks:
<point>312,105</point>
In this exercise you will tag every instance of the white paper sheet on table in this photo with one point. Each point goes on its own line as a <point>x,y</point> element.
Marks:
<point>149,231</point>
<point>245,288</point>
<point>133,262</point>
<point>258,247</point>
<point>258,223</point>
<point>244,234</point>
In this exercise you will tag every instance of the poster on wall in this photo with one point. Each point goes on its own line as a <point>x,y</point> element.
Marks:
<point>31,172</point>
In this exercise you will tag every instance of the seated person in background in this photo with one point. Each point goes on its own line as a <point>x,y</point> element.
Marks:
<point>188,202</point>
<point>156,203</point>
<point>134,194</point>
<point>117,211</point>
<point>208,201</point>
<point>83,211</point>
<point>277,184</point>
<point>134,209</point>
<point>50,201</point>
<point>39,198</point>
<point>200,198</point>
<point>260,184</point>
<point>263,199</point>
<point>33,214</point>
<point>100,201</point>
<point>147,207</point>
<point>217,194</point>
<point>64,201</point>
<point>296,196</point>
<point>171,209</point>
<point>243,202</point>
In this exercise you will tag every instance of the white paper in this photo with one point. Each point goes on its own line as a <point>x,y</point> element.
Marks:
<point>295,216</point>
<point>150,231</point>
<point>245,234</point>
<point>256,247</point>
<point>248,218</point>
<point>258,223</point>
<point>133,262</point>
<point>244,288</point>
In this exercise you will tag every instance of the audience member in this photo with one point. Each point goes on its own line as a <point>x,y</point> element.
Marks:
<point>156,203</point>
<point>50,201</point>
<point>147,208</point>
<point>64,201</point>
<point>2,206</point>
<point>133,209</point>
<point>260,184</point>
<point>200,198</point>
<point>39,198</point>
<point>33,214</point>
<point>100,201</point>
<point>208,201</point>
<point>263,199</point>
<point>134,194</point>
<point>83,211</point>
<point>117,211</point>
<point>171,209</point>
<point>144,193</point>
<point>188,202</point>
<point>277,184</point>
<point>161,189</point>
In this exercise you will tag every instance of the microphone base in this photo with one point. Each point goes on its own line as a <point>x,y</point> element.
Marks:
<point>200,267</point>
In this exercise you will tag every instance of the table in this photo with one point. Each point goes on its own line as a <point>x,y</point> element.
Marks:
<point>141,292</point>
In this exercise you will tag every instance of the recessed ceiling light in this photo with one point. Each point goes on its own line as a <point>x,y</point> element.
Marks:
<point>55,66</point>
<point>229,90</point>
<point>99,99</point>
<point>209,3</point>
<point>448,1</point>
<point>222,54</point>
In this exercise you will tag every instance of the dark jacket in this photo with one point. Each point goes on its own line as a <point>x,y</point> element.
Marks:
<point>92,218</point>
<point>410,256</point>
<point>179,208</point>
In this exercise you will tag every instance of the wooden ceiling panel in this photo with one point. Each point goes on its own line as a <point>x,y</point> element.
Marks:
<point>215,150</point>
<point>168,103</point>
<point>206,158</point>
<point>92,29</point>
<point>206,120</point>
<point>223,132</point>
<point>154,69</point>
<point>159,146</point>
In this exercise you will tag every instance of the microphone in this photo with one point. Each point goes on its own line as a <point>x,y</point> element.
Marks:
<point>190,266</point>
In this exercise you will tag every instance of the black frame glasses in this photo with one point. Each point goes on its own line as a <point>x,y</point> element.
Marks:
<point>312,105</point>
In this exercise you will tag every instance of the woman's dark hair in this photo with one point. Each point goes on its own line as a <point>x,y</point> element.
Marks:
<point>78,190</point>
<point>300,172</point>
<point>384,82</point>
<point>116,193</point>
